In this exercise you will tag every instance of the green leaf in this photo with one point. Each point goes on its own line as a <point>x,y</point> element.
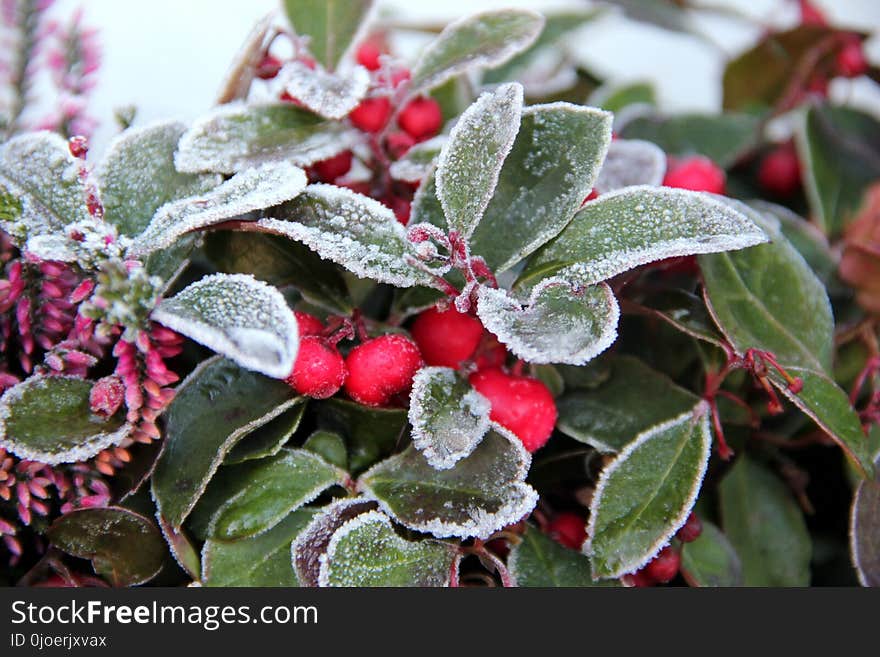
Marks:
<point>137,176</point>
<point>351,230</point>
<point>215,406</point>
<point>711,560</point>
<point>540,188</point>
<point>366,551</point>
<point>329,446</point>
<point>630,162</point>
<point>481,494</point>
<point>539,561</point>
<point>262,560</point>
<point>239,317</point>
<point>448,417</point>
<point>471,160</point>
<point>667,14</point>
<point>124,547</point>
<point>330,95</point>
<point>418,161</point>
<point>181,548</point>
<point>268,439</point>
<point>768,298</point>
<point>280,262</point>
<point>481,40</point>
<point>646,493</point>
<point>563,321</point>
<point>236,137</point>
<point>618,98</point>
<point>49,419</point>
<point>38,169</point>
<point>370,433</point>
<point>247,191</point>
<point>840,151</point>
<point>638,225</point>
<point>259,494</point>
<point>723,138</point>
<point>686,312</point>
<point>333,26</point>
<point>765,526</point>
<point>864,531</point>
<point>634,399</point>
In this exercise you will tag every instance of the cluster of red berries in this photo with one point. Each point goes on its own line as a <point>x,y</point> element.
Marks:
<point>665,566</point>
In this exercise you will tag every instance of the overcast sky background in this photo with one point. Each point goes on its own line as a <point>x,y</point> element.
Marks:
<point>168,57</point>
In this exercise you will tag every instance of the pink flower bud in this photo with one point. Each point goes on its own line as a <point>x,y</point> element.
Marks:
<point>106,396</point>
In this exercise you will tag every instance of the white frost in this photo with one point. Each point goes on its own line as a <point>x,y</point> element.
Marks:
<point>631,162</point>
<point>331,95</point>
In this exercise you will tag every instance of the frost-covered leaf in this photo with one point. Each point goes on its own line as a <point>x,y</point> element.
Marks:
<point>370,433</point>
<point>181,547</point>
<point>312,542</point>
<point>49,419</point>
<point>839,148</point>
<point>539,561</point>
<point>563,322</point>
<point>711,560</point>
<point>638,225</point>
<point>631,162</point>
<point>236,316</point>
<point>269,438</point>
<point>262,560</point>
<point>242,70</point>
<point>723,138</point>
<point>38,169</point>
<point>764,524</point>
<point>137,176</point>
<point>646,493</point>
<point>550,170</point>
<point>259,494</point>
<point>366,551</point>
<point>332,26</point>
<point>471,160</point>
<point>418,161</point>
<point>253,189</point>
<point>632,400</point>
<point>217,405</point>
<point>352,230</point>
<point>331,95</point>
<point>236,136</point>
<point>768,298</point>
<point>448,417</point>
<point>478,496</point>
<point>481,40</point>
<point>864,531</point>
<point>280,262</point>
<point>124,547</point>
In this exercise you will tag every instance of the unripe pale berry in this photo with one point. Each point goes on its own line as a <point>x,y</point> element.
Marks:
<point>421,118</point>
<point>381,369</point>
<point>372,114</point>
<point>780,171</point>
<point>697,173</point>
<point>446,338</point>
<point>568,529</point>
<point>332,168</point>
<point>319,371</point>
<point>665,565</point>
<point>308,324</point>
<point>690,530</point>
<point>522,404</point>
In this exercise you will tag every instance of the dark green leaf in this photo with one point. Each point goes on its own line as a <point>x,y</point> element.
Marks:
<point>329,446</point>
<point>668,14</point>
<point>864,531</point>
<point>539,561</point>
<point>331,25</point>
<point>617,98</point>
<point>711,560</point>
<point>181,548</point>
<point>268,439</point>
<point>370,433</point>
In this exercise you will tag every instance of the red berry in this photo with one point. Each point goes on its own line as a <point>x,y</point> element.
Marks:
<point>368,56</point>
<point>446,338</point>
<point>421,118</point>
<point>399,76</point>
<point>79,146</point>
<point>402,208</point>
<point>381,369</point>
<point>640,579</point>
<point>780,171</point>
<point>690,530</point>
<point>851,61</point>
<point>319,371</point>
<point>522,404</point>
<point>811,15</point>
<point>697,173</point>
<point>359,186</point>
<point>335,167</point>
<point>398,143</point>
<point>372,114</point>
<point>665,565</point>
<point>308,324</point>
<point>568,529</point>
<point>268,67</point>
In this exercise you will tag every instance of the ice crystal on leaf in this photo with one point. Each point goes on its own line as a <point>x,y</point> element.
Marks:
<point>418,161</point>
<point>331,95</point>
<point>631,162</point>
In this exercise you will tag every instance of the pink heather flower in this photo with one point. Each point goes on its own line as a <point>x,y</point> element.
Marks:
<point>107,396</point>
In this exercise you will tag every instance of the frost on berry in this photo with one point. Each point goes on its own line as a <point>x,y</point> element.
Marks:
<point>331,95</point>
<point>254,189</point>
<point>562,322</point>
<point>448,417</point>
<point>354,231</point>
<point>418,161</point>
<point>239,317</point>
<point>479,495</point>
<point>631,162</point>
<point>236,136</point>
<point>366,551</point>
